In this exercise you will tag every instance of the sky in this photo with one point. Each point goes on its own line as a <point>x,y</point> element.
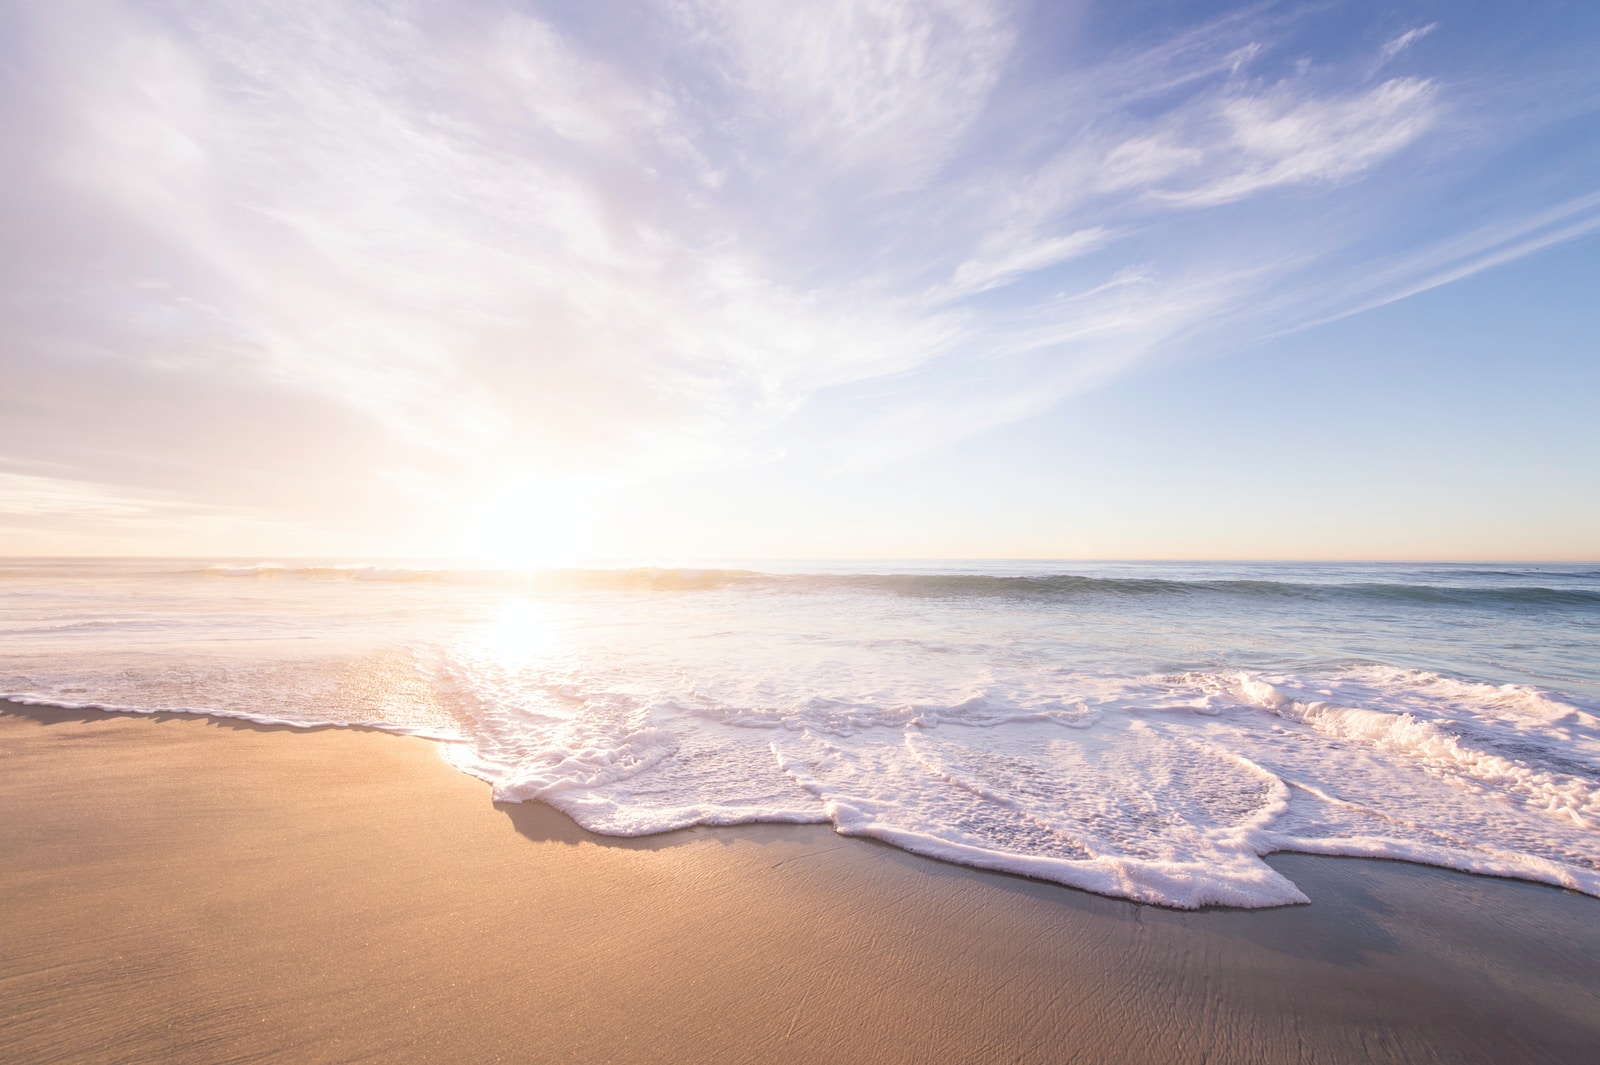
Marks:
<point>543,282</point>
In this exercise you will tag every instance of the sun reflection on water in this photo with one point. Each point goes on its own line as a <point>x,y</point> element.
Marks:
<point>520,630</point>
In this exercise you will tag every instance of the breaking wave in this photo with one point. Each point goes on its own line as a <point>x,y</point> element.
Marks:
<point>960,585</point>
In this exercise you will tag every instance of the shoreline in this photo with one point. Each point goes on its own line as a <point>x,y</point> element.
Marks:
<point>187,888</point>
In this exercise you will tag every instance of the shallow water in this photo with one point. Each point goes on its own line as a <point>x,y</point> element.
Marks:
<point>1146,730</point>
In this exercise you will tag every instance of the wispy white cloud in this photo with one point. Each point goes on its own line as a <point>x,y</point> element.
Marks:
<point>44,515</point>
<point>1391,279</point>
<point>1005,255</point>
<point>1277,138</point>
<point>508,242</point>
<point>1395,46</point>
<point>33,496</point>
<point>880,90</point>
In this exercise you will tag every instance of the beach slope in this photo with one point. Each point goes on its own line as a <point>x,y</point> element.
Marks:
<point>183,889</point>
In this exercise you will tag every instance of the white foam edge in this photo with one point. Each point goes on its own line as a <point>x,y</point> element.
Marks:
<point>588,811</point>
<point>1176,885</point>
<point>1481,861</point>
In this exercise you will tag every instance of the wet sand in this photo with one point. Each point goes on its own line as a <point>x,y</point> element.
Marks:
<point>179,889</point>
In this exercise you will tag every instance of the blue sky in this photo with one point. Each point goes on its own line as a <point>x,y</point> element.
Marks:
<point>695,279</point>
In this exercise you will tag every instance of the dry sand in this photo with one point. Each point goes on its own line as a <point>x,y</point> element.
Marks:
<point>193,890</point>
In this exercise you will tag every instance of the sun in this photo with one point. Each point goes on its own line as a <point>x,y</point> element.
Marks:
<point>526,526</point>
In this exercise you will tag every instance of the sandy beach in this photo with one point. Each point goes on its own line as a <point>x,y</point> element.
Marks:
<point>184,889</point>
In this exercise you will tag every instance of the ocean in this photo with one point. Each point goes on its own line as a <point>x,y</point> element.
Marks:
<point>1142,730</point>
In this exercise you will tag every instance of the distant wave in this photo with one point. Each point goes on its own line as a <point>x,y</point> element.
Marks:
<point>1066,586</point>
<point>665,579</point>
<point>347,573</point>
<point>940,585</point>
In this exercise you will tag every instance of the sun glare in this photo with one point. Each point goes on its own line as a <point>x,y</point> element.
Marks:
<point>526,527</point>
<point>521,629</point>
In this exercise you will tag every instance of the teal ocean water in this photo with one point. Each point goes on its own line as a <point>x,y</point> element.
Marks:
<point>1145,730</point>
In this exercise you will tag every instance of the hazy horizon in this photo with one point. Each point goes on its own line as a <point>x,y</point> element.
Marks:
<point>471,562</point>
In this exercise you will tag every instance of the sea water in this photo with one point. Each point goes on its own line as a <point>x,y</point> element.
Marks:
<point>1144,730</point>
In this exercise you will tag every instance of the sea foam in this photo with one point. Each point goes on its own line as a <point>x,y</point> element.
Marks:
<point>1145,735</point>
